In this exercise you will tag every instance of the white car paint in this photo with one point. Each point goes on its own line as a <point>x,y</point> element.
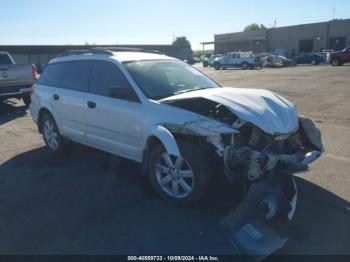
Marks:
<point>123,127</point>
<point>234,59</point>
<point>265,109</point>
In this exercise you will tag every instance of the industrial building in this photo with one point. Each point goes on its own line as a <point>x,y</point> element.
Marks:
<point>334,34</point>
<point>40,55</point>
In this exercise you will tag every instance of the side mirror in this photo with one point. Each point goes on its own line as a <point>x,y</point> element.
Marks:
<point>125,93</point>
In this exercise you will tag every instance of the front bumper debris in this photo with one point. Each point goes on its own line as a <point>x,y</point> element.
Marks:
<point>247,227</point>
<point>272,195</point>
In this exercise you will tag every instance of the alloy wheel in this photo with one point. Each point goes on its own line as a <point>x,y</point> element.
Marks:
<point>51,135</point>
<point>174,175</point>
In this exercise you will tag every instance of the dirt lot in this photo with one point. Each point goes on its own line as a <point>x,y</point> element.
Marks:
<point>91,202</point>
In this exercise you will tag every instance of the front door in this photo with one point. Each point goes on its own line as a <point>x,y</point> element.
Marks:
<point>112,124</point>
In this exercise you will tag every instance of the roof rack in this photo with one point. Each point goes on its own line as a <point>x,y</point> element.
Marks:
<point>125,49</point>
<point>106,51</point>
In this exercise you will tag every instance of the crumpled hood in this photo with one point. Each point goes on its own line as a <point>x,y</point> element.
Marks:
<point>265,109</point>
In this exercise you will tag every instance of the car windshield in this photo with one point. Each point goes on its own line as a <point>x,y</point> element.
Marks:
<point>163,78</point>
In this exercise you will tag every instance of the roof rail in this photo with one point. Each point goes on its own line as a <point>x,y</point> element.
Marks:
<point>126,49</point>
<point>106,51</point>
<point>81,52</point>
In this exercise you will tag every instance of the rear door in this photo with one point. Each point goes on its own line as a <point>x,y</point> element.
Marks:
<point>301,58</point>
<point>230,59</point>
<point>69,99</point>
<point>239,59</point>
<point>113,124</point>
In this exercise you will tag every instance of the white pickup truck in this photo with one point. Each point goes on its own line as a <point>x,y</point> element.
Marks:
<point>16,80</point>
<point>243,60</point>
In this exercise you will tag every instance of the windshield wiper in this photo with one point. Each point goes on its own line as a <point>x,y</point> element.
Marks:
<point>179,92</point>
<point>190,90</point>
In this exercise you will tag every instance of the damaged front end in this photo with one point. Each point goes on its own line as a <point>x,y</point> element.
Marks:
<point>265,162</point>
<point>271,160</point>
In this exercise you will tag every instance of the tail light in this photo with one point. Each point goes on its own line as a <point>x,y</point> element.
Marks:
<point>34,72</point>
<point>35,77</point>
<point>32,89</point>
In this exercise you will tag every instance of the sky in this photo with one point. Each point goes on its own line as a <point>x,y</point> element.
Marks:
<point>38,22</point>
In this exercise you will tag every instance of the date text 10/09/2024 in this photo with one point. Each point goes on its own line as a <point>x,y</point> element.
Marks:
<point>173,258</point>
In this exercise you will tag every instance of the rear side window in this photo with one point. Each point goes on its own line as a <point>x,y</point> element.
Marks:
<point>5,60</point>
<point>77,76</point>
<point>53,74</point>
<point>105,75</point>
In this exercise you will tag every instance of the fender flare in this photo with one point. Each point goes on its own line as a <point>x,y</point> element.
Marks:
<point>168,140</point>
<point>47,106</point>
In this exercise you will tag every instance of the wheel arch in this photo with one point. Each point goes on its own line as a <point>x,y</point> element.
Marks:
<point>159,135</point>
<point>45,110</point>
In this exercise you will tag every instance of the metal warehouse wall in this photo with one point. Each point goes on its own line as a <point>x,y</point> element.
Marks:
<point>319,34</point>
<point>240,41</point>
<point>334,34</point>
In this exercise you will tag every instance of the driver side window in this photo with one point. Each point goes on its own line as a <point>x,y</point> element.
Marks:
<point>106,75</point>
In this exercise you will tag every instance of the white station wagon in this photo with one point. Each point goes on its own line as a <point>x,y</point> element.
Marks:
<point>183,127</point>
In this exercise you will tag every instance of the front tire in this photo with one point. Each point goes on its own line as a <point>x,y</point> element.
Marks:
<point>183,180</point>
<point>217,66</point>
<point>52,137</point>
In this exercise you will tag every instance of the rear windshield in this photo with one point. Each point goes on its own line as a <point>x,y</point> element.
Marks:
<point>5,60</point>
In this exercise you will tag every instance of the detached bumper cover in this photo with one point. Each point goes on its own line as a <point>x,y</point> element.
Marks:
<point>247,227</point>
<point>272,197</point>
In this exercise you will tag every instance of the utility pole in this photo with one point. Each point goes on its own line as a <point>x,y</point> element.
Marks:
<point>275,23</point>
<point>333,13</point>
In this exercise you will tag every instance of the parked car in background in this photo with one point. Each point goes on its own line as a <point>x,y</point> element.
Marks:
<point>309,58</point>
<point>275,61</point>
<point>213,58</point>
<point>205,59</point>
<point>15,80</point>
<point>326,54</point>
<point>341,57</point>
<point>243,60</point>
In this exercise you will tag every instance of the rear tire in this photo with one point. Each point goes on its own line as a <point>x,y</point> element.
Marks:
<point>183,184</point>
<point>336,62</point>
<point>244,65</point>
<point>52,137</point>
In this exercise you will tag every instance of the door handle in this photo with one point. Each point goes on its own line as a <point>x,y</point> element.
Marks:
<point>91,104</point>
<point>56,97</point>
